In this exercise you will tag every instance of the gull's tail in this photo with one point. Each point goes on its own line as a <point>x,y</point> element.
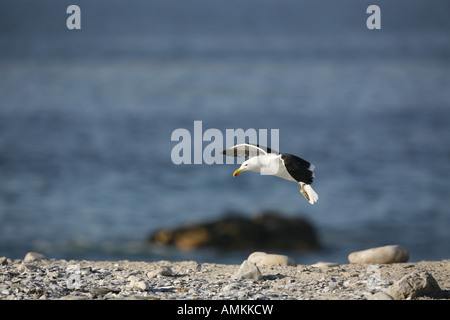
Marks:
<point>308,192</point>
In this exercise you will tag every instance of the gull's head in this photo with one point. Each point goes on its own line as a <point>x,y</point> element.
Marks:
<point>251,164</point>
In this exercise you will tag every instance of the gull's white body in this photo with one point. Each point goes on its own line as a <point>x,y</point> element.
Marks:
<point>268,162</point>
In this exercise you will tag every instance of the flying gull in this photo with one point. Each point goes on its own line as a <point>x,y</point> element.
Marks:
<point>282,165</point>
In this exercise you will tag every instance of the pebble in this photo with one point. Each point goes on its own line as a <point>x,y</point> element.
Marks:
<point>415,285</point>
<point>3,261</point>
<point>325,265</point>
<point>33,256</point>
<point>137,283</point>
<point>380,255</point>
<point>266,259</point>
<point>52,279</point>
<point>380,295</point>
<point>100,292</point>
<point>248,270</point>
<point>164,271</point>
<point>230,287</point>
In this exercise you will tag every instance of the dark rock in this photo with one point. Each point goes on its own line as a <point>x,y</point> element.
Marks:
<point>3,261</point>
<point>267,231</point>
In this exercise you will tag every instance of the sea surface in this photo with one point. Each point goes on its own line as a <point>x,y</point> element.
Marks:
<point>86,118</point>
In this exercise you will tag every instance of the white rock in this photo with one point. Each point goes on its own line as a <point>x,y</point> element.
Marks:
<point>231,287</point>
<point>248,270</point>
<point>380,295</point>
<point>380,255</point>
<point>325,265</point>
<point>5,291</point>
<point>137,283</point>
<point>33,256</point>
<point>266,259</point>
<point>141,285</point>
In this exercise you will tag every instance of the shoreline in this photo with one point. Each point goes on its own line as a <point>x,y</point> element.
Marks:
<point>50,279</point>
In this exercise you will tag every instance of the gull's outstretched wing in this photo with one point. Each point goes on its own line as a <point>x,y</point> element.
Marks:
<point>247,150</point>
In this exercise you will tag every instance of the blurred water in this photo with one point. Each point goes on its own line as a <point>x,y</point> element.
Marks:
<point>86,119</point>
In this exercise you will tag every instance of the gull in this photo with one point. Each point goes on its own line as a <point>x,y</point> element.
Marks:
<point>270,162</point>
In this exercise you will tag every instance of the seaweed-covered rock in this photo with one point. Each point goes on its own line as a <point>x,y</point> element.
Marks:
<point>266,231</point>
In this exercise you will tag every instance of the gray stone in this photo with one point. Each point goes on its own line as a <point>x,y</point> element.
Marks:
<point>85,271</point>
<point>413,285</point>
<point>33,256</point>
<point>266,259</point>
<point>231,287</point>
<point>74,296</point>
<point>100,292</point>
<point>164,271</point>
<point>248,270</point>
<point>380,255</point>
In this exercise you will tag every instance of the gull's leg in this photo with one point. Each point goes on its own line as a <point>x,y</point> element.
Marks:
<point>302,190</point>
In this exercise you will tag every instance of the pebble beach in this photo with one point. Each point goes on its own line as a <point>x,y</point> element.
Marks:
<point>40,278</point>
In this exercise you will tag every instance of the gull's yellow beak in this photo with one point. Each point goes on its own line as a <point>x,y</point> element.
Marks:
<point>237,172</point>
